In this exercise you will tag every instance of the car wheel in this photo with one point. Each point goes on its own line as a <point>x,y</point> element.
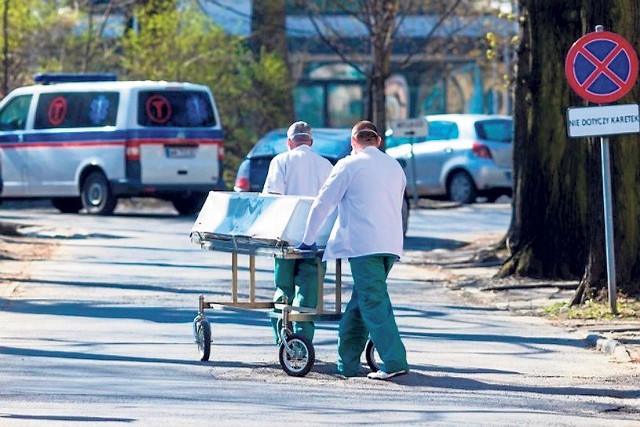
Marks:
<point>67,204</point>
<point>493,196</point>
<point>96,195</point>
<point>461,189</point>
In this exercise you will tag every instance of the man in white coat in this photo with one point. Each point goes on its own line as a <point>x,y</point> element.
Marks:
<point>368,189</point>
<point>300,171</point>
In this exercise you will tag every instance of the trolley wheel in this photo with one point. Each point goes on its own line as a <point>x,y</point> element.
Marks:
<point>372,356</point>
<point>202,330</point>
<point>299,360</point>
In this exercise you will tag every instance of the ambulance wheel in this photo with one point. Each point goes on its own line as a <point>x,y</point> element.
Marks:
<point>67,204</point>
<point>189,205</point>
<point>300,360</point>
<point>203,338</point>
<point>96,195</point>
<point>371,356</point>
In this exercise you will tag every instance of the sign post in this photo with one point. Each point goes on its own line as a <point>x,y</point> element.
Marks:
<point>412,128</point>
<point>602,67</point>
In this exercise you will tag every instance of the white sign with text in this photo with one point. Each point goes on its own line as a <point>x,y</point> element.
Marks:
<point>603,120</point>
<point>410,127</point>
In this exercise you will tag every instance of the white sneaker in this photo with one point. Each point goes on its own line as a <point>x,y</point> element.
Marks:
<point>382,375</point>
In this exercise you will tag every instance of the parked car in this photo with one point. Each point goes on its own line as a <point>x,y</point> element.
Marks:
<point>464,156</point>
<point>333,144</point>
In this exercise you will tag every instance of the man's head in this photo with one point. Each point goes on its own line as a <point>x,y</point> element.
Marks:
<point>299,133</point>
<point>364,134</point>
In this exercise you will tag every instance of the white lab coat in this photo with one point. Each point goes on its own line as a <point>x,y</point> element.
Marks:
<point>368,189</point>
<point>297,172</point>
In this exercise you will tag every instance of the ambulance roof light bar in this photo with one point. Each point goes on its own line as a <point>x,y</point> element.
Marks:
<point>52,78</point>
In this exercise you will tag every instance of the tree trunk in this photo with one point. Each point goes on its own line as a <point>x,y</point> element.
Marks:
<point>383,27</point>
<point>625,165</point>
<point>5,48</point>
<point>557,229</point>
<point>268,34</point>
<point>548,234</point>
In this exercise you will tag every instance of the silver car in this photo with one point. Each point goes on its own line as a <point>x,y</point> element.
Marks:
<point>463,157</point>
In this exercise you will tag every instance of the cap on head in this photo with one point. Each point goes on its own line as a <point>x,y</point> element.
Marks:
<point>365,131</point>
<point>299,131</point>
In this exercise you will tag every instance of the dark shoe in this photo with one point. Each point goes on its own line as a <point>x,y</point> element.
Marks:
<point>382,375</point>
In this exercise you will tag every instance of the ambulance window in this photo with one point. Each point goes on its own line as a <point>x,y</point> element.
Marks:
<point>180,108</point>
<point>76,109</point>
<point>14,115</point>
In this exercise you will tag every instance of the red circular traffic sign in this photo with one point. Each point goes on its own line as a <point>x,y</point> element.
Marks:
<point>601,67</point>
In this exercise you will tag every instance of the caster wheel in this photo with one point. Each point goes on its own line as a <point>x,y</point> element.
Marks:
<point>298,359</point>
<point>372,356</point>
<point>202,332</point>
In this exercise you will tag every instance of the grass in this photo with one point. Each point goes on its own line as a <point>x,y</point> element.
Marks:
<point>628,308</point>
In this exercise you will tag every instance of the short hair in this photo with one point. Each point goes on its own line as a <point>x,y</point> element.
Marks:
<point>365,132</point>
<point>299,131</point>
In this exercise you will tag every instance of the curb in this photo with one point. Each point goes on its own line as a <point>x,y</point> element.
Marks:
<point>609,346</point>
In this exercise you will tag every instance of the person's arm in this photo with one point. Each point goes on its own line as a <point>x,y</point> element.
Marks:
<point>325,203</point>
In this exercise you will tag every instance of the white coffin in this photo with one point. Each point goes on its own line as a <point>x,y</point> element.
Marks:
<point>268,217</point>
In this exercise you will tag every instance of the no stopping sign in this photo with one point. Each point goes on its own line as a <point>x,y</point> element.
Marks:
<point>601,67</point>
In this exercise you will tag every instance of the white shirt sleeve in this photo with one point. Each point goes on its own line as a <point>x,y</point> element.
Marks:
<point>275,182</point>
<point>326,202</point>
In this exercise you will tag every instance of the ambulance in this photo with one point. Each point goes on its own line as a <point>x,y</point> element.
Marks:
<point>86,140</point>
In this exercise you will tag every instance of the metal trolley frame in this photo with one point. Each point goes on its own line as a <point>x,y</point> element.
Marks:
<point>296,353</point>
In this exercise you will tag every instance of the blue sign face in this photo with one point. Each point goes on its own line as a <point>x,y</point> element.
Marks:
<point>601,67</point>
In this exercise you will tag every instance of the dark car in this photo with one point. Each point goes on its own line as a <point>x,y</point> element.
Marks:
<point>333,144</point>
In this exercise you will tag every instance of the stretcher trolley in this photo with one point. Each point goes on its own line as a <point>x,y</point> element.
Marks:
<point>257,224</point>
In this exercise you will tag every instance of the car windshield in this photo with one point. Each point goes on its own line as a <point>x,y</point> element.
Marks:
<point>500,130</point>
<point>331,143</point>
<point>273,143</point>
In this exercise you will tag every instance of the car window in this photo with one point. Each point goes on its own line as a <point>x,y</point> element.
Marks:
<point>271,144</point>
<point>76,109</point>
<point>14,115</point>
<point>180,108</point>
<point>332,144</point>
<point>393,141</point>
<point>442,130</point>
<point>328,143</point>
<point>500,130</point>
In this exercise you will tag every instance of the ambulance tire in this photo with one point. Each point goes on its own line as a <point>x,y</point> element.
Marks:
<point>67,204</point>
<point>96,195</point>
<point>189,205</point>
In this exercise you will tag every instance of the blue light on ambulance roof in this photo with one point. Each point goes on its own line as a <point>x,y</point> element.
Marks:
<point>50,78</point>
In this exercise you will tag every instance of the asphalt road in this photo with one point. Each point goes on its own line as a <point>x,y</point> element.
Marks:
<point>101,334</point>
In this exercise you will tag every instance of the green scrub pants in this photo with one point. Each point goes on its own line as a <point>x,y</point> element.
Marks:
<point>297,279</point>
<point>369,314</point>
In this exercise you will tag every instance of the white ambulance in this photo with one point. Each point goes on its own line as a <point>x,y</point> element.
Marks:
<point>86,140</point>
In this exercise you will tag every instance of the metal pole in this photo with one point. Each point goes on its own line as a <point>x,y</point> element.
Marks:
<point>608,224</point>
<point>413,175</point>
<point>608,217</point>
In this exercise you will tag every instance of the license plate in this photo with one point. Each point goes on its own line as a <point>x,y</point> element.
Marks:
<point>181,152</point>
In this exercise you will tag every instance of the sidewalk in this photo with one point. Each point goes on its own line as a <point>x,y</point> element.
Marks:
<point>469,272</point>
